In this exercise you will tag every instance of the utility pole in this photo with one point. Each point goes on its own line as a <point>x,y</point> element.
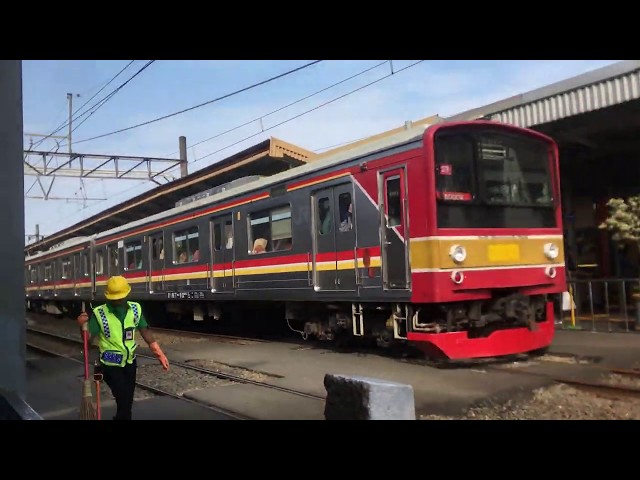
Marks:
<point>69,139</point>
<point>183,156</point>
<point>12,306</point>
<point>70,98</point>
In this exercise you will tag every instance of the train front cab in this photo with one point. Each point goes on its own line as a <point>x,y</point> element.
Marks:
<point>493,250</point>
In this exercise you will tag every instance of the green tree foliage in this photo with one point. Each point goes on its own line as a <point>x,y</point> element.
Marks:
<point>624,220</point>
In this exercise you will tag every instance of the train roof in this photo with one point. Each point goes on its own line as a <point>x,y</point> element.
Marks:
<point>72,242</point>
<point>410,135</point>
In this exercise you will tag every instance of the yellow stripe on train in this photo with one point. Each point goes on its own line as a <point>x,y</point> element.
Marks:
<point>434,253</point>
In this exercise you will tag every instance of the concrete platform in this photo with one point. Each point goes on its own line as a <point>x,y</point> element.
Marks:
<point>621,350</point>
<point>54,391</point>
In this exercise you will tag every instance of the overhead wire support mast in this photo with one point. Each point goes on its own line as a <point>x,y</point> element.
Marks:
<point>92,166</point>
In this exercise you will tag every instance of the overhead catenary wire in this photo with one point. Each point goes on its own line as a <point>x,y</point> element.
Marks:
<point>164,117</point>
<point>176,113</point>
<point>309,111</point>
<point>95,107</point>
<point>99,104</point>
<point>297,116</point>
<point>117,194</point>
<point>66,123</point>
<point>262,117</point>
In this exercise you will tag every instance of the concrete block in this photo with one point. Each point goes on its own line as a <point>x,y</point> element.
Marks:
<point>363,398</point>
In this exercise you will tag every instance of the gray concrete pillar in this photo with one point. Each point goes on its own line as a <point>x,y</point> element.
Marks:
<point>12,304</point>
<point>362,398</point>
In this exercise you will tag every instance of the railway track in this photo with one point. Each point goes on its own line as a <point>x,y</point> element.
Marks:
<point>194,368</point>
<point>217,336</point>
<point>615,392</point>
<point>142,385</point>
<point>39,318</point>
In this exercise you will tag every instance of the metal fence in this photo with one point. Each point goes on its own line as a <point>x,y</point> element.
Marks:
<point>603,305</point>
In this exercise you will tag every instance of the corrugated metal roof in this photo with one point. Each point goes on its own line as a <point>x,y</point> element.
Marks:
<point>605,87</point>
<point>585,99</point>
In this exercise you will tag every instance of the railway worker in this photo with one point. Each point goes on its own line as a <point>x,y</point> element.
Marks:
<point>118,318</point>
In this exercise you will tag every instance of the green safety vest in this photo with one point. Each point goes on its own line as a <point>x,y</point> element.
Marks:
<point>117,343</point>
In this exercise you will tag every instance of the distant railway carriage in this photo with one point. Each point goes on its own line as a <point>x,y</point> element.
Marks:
<point>448,238</point>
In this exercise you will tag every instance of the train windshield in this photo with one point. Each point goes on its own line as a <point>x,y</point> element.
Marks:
<point>487,178</point>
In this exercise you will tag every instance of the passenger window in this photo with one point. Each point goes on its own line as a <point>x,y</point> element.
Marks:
<point>186,246</point>
<point>157,248</point>
<point>47,272</point>
<point>346,212</point>
<point>113,259</point>
<point>66,268</point>
<point>325,217</point>
<point>217,236</point>
<point>85,264</point>
<point>394,206</point>
<point>99,263</point>
<point>34,274</point>
<point>228,235</point>
<point>270,230</point>
<point>133,255</point>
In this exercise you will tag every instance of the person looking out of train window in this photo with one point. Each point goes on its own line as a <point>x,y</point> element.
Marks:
<point>326,219</point>
<point>260,245</point>
<point>113,325</point>
<point>346,219</point>
<point>182,258</point>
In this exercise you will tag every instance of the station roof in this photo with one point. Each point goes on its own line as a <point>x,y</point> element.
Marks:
<point>595,119</point>
<point>605,87</point>
<point>266,158</point>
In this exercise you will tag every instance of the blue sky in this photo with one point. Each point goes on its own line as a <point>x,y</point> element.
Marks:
<point>428,88</point>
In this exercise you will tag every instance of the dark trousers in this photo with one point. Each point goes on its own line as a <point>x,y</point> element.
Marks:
<point>122,382</point>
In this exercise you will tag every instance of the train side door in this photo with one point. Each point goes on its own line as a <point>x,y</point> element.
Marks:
<point>77,274</point>
<point>334,239</point>
<point>392,194</point>
<point>93,267</point>
<point>345,237</point>
<point>156,250</point>
<point>324,256</point>
<point>100,266</point>
<point>221,248</point>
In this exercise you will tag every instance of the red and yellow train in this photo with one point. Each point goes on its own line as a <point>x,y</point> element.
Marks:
<point>447,237</point>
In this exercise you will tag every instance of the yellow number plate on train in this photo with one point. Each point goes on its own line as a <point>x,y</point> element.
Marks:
<point>503,253</point>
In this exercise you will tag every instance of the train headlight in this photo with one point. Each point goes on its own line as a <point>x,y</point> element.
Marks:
<point>458,253</point>
<point>551,251</point>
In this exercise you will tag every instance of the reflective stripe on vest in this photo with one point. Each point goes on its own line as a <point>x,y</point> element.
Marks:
<point>117,343</point>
